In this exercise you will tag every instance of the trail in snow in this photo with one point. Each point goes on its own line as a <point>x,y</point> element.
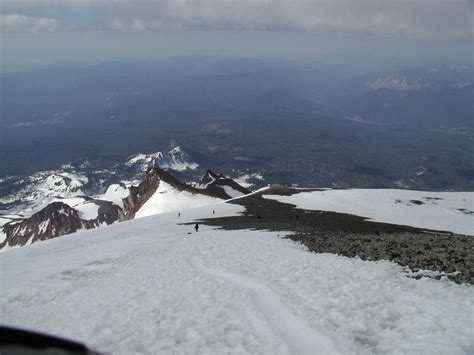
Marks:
<point>297,335</point>
<point>147,286</point>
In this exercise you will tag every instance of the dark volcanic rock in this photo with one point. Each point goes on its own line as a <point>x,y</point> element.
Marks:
<point>108,212</point>
<point>215,185</point>
<point>52,221</point>
<point>353,236</point>
<point>141,193</point>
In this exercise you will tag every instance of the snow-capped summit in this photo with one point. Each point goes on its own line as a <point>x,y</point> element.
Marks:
<point>221,186</point>
<point>174,159</point>
<point>208,178</point>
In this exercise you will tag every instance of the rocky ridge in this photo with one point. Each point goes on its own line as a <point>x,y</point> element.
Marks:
<point>59,218</point>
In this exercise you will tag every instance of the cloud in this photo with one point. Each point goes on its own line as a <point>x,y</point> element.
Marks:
<point>406,18</point>
<point>22,23</point>
<point>135,24</point>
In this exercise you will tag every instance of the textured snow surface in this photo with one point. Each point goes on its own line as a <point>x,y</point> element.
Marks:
<point>147,286</point>
<point>168,199</point>
<point>115,193</point>
<point>443,211</point>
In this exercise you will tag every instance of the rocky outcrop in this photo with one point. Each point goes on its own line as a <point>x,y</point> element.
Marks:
<point>58,218</point>
<point>214,185</point>
<point>211,184</point>
<point>108,212</point>
<point>140,194</point>
<point>54,220</point>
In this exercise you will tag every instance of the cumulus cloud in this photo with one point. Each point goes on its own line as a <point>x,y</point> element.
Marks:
<point>22,23</point>
<point>409,18</point>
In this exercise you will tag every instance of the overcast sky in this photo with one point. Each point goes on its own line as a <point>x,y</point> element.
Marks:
<point>436,21</point>
<point>411,18</point>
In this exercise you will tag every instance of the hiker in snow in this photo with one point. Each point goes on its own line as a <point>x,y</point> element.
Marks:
<point>196,227</point>
<point>213,212</point>
<point>179,214</point>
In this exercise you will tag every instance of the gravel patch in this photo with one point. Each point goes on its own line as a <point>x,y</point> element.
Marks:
<point>444,254</point>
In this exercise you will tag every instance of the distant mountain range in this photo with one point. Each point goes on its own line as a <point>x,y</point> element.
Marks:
<point>52,203</point>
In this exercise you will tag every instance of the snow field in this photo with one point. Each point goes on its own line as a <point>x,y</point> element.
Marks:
<point>442,211</point>
<point>147,286</point>
<point>232,192</point>
<point>168,199</point>
<point>115,193</point>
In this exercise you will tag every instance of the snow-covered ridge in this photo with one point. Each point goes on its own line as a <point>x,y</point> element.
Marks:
<point>400,83</point>
<point>440,211</point>
<point>158,192</point>
<point>45,184</point>
<point>458,79</point>
<point>458,68</point>
<point>35,191</point>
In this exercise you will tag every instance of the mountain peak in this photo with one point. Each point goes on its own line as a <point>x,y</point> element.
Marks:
<point>209,177</point>
<point>174,159</point>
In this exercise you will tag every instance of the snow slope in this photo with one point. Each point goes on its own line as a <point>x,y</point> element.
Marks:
<point>153,285</point>
<point>115,193</point>
<point>443,211</point>
<point>86,209</point>
<point>168,199</point>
